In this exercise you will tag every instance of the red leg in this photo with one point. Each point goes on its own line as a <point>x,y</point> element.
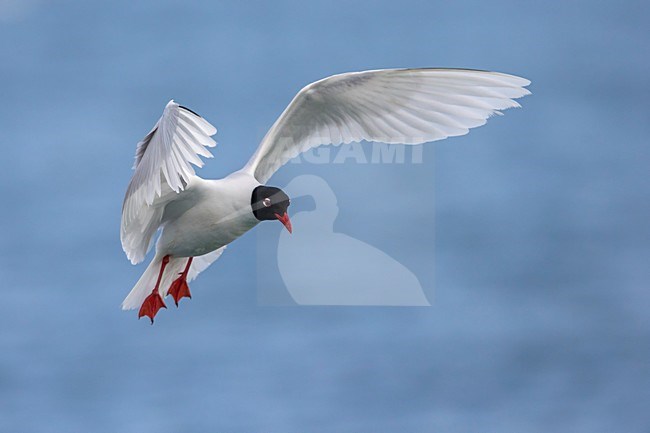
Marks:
<point>154,301</point>
<point>179,288</point>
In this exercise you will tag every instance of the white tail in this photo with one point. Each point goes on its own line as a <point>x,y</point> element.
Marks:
<point>147,281</point>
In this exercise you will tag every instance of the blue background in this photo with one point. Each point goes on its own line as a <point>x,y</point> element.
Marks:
<point>540,319</point>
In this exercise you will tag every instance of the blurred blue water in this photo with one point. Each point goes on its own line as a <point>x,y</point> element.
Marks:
<point>541,232</point>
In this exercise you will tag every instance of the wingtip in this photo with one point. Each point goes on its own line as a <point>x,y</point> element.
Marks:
<point>525,82</point>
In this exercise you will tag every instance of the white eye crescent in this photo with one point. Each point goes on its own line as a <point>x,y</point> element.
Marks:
<point>266,202</point>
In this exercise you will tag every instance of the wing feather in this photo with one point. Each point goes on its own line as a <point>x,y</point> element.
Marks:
<point>410,106</point>
<point>163,167</point>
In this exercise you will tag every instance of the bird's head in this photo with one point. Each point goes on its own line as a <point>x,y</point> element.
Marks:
<point>271,203</point>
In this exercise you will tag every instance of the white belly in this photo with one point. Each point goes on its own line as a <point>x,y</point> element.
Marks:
<point>208,215</point>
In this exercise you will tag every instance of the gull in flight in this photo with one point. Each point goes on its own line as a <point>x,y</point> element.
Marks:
<point>199,217</point>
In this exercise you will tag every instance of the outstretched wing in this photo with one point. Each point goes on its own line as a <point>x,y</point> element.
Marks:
<point>162,168</point>
<point>409,106</point>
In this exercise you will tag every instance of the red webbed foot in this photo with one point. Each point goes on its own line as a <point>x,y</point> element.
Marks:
<point>179,289</point>
<point>151,305</point>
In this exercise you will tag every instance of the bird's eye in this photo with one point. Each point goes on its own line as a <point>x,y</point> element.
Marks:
<point>266,202</point>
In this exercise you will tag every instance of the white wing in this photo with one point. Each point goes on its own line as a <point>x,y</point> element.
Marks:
<point>162,169</point>
<point>409,106</point>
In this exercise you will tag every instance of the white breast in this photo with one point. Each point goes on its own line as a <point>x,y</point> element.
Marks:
<point>208,215</point>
